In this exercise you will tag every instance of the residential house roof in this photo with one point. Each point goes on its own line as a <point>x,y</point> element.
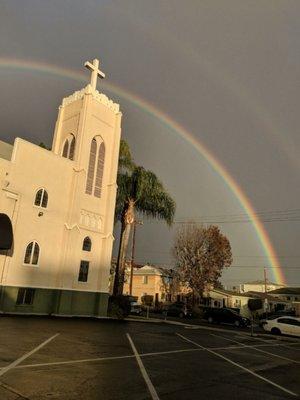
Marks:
<point>263,295</point>
<point>286,290</point>
<point>261,282</point>
<point>231,293</point>
<point>151,270</point>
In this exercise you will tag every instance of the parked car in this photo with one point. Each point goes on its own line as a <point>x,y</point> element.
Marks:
<point>286,325</point>
<point>135,308</point>
<point>268,316</point>
<point>225,316</point>
<point>180,310</point>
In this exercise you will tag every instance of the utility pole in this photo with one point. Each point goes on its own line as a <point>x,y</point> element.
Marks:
<point>266,289</point>
<point>135,223</point>
<point>265,279</point>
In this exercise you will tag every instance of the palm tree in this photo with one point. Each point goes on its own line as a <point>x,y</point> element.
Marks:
<point>140,191</point>
<point>125,158</point>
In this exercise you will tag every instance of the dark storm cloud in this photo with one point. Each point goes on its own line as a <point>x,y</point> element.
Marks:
<point>228,71</point>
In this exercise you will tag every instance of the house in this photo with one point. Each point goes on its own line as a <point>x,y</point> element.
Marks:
<point>226,298</point>
<point>258,286</point>
<point>287,293</point>
<point>149,280</point>
<point>272,303</point>
<point>61,206</point>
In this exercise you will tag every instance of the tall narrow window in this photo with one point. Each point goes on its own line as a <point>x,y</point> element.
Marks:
<point>87,244</point>
<point>41,198</point>
<point>69,147</point>
<point>96,167</point>
<point>100,168</point>
<point>32,253</point>
<point>83,271</point>
<point>91,168</point>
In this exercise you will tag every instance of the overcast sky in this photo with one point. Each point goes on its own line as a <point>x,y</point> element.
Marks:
<point>228,71</point>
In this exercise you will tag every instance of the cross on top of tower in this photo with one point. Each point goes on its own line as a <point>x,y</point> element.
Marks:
<point>94,67</point>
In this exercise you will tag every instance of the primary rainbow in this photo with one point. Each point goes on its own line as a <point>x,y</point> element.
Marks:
<point>264,239</point>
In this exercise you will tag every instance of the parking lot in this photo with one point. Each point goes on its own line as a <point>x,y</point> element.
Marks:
<point>44,358</point>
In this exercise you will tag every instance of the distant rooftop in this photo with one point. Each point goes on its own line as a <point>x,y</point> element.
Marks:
<point>286,290</point>
<point>151,270</point>
<point>263,295</point>
<point>231,293</point>
<point>261,282</point>
<point>6,150</point>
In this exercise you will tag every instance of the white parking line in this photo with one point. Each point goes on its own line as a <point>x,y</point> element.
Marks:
<point>19,360</point>
<point>255,348</point>
<point>144,373</point>
<point>157,353</point>
<point>276,340</point>
<point>238,365</point>
<point>83,360</point>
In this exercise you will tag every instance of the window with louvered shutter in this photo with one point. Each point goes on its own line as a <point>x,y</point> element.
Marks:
<point>100,169</point>
<point>91,168</point>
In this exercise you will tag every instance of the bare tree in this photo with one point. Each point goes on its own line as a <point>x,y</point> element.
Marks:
<point>201,253</point>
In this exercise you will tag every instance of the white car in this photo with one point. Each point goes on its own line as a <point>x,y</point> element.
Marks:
<point>286,325</point>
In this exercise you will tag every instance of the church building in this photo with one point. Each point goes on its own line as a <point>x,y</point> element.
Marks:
<point>58,206</point>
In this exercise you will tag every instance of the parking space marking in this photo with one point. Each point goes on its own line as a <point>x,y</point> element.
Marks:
<point>276,340</point>
<point>158,353</point>
<point>84,360</point>
<point>239,366</point>
<point>144,373</point>
<point>255,348</point>
<point>19,360</point>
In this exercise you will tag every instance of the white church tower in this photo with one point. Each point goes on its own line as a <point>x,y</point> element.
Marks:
<point>63,212</point>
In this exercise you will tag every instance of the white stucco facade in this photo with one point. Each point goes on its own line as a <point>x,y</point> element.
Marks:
<point>71,214</point>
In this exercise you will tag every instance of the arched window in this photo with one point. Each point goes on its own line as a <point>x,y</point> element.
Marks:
<point>99,172</point>
<point>87,244</point>
<point>32,253</point>
<point>69,147</point>
<point>41,198</point>
<point>96,167</point>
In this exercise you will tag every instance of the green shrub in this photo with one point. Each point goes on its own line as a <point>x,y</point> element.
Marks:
<point>119,306</point>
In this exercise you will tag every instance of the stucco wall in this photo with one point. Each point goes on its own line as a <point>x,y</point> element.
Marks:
<point>60,302</point>
<point>71,213</point>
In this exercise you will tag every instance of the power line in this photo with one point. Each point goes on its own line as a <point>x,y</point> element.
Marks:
<point>280,212</point>
<point>237,266</point>
<point>234,256</point>
<point>291,215</point>
<point>249,220</point>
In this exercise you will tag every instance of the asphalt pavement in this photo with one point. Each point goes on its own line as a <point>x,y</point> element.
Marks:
<point>48,358</point>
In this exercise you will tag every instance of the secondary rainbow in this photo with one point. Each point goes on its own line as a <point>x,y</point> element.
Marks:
<point>264,239</point>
